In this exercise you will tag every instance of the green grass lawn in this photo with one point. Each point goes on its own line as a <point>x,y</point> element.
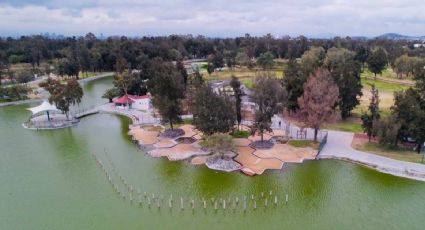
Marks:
<point>185,122</point>
<point>303,143</point>
<point>386,73</point>
<point>248,83</point>
<point>240,134</point>
<point>383,86</point>
<point>244,73</point>
<point>346,126</point>
<point>91,74</point>
<point>396,153</point>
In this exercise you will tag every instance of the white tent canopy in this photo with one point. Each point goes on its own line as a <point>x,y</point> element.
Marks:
<point>44,107</point>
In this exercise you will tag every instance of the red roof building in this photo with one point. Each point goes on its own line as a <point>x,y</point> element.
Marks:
<point>141,102</point>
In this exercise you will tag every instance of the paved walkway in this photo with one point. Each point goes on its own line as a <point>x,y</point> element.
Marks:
<point>138,117</point>
<point>339,147</point>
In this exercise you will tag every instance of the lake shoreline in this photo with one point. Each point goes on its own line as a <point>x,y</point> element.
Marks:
<point>339,148</point>
<point>29,101</point>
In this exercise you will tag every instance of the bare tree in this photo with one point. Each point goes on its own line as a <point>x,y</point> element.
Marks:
<point>318,101</point>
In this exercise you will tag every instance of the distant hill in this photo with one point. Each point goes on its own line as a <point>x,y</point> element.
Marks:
<point>395,36</point>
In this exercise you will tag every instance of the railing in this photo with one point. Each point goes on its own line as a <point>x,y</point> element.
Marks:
<point>50,124</point>
<point>83,112</point>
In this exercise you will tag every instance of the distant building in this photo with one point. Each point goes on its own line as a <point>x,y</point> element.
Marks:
<point>134,102</point>
<point>418,45</point>
<point>222,88</point>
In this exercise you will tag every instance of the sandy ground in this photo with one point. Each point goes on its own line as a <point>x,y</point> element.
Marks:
<point>255,164</point>
<point>253,161</point>
<point>188,130</point>
<point>144,137</point>
<point>164,143</point>
<point>287,153</point>
<point>241,142</point>
<point>257,137</point>
<point>179,152</point>
<point>199,160</point>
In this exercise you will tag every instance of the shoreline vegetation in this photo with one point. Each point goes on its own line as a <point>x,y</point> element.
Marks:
<point>370,88</point>
<point>35,100</point>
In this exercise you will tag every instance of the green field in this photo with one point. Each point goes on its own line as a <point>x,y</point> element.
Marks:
<point>346,126</point>
<point>383,86</point>
<point>301,143</point>
<point>396,153</point>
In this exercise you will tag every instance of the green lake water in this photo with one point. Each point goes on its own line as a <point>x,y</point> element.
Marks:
<point>50,180</point>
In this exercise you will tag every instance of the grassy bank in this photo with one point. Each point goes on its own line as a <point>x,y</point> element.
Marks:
<point>346,126</point>
<point>396,153</point>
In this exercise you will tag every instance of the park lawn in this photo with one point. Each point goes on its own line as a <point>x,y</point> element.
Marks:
<point>396,153</point>
<point>303,143</point>
<point>92,74</point>
<point>248,83</point>
<point>383,86</point>
<point>178,125</point>
<point>346,126</point>
<point>226,74</point>
<point>386,95</point>
<point>386,73</point>
<point>202,66</point>
<point>240,134</point>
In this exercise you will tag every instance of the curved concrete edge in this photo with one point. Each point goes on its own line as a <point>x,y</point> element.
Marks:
<point>406,173</point>
<point>22,102</point>
<point>50,128</point>
<point>339,147</point>
<point>85,80</point>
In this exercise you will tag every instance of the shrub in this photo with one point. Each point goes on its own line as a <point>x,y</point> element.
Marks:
<point>240,134</point>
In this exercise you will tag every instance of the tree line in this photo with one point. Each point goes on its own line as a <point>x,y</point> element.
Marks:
<point>73,55</point>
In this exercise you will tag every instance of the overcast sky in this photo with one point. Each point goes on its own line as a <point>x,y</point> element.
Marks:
<point>222,18</point>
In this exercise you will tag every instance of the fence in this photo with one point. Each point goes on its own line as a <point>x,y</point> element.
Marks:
<point>50,124</point>
<point>83,112</point>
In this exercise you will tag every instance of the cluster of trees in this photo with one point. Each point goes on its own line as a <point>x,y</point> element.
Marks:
<point>342,66</point>
<point>314,67</point>
<point>63,95</point>
<point>14,93</point>
<point>71,55</point>
<point>405,65</point>
<point>407,119</point>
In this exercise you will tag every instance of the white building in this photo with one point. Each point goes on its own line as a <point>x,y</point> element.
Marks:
<point>134,102</point>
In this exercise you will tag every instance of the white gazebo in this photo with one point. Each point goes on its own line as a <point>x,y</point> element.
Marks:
<point>44,107</point>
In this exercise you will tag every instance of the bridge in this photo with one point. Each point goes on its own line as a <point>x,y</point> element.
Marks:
<point>137,117</point>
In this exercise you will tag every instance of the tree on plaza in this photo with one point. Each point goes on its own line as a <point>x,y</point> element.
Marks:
<point>316,107</point>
